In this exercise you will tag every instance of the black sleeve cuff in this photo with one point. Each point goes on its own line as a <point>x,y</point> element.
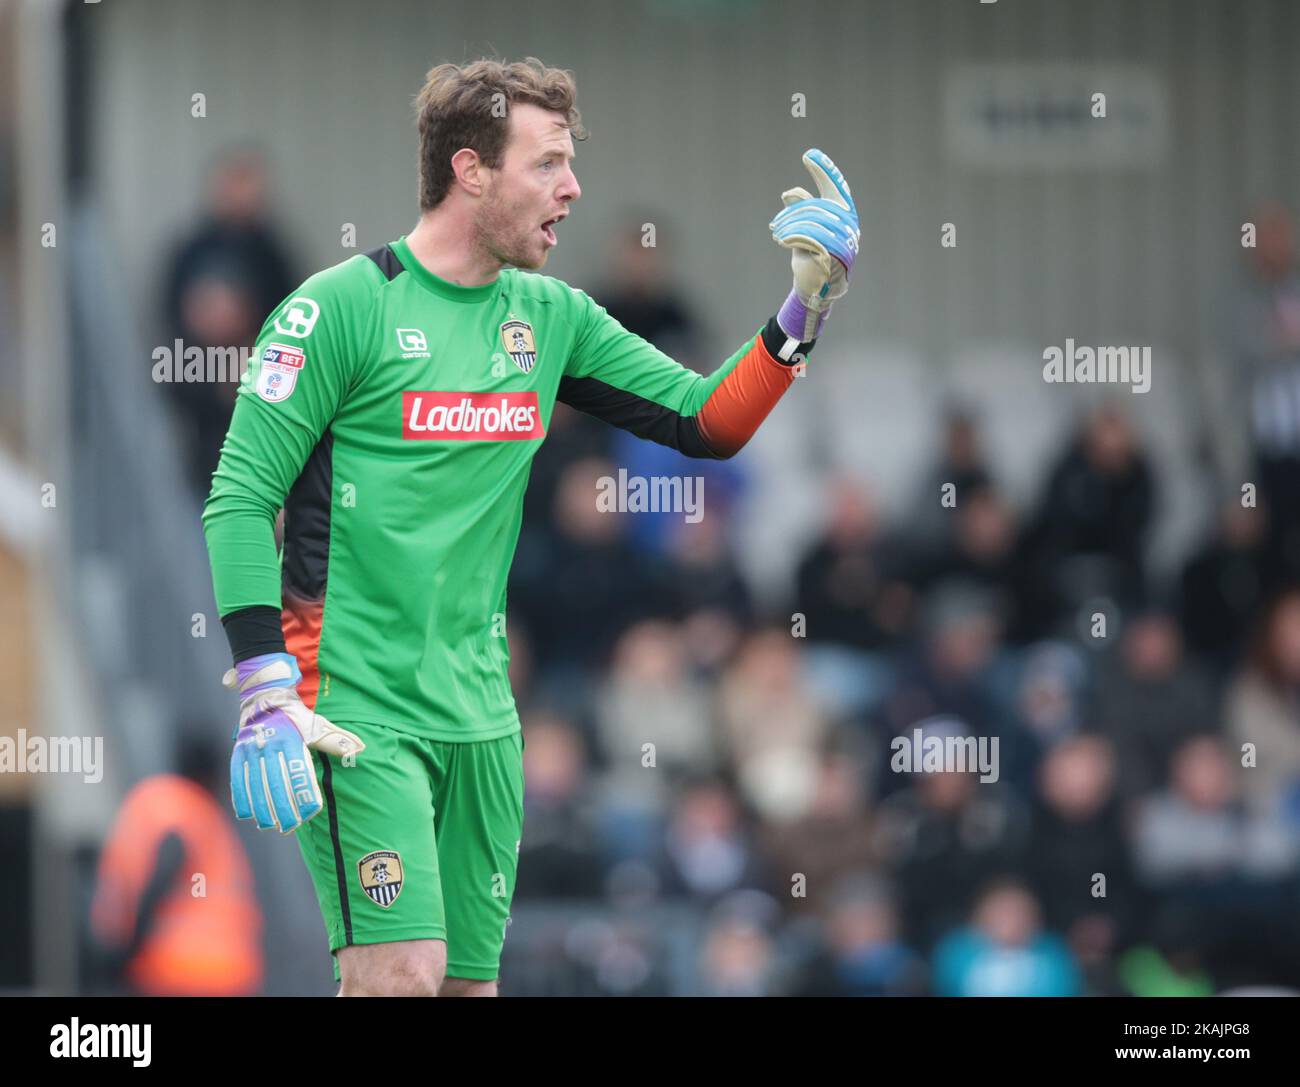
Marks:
<point>775,340</point>
<point>254,631</point>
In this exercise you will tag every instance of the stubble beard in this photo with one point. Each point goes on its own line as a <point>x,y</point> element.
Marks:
<point>499,234</point>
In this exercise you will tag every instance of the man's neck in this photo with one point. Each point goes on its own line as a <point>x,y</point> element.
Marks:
<point>445,244</point>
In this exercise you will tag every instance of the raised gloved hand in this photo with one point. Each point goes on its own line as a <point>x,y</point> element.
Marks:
<point>272,779</point>
<point>822,235</point>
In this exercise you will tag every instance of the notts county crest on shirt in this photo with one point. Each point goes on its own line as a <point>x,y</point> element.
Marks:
<point>517,337</point>
<point>381,876</point>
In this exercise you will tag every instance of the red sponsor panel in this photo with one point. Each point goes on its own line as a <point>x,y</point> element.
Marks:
<point>471,417</point>
<point>284,355</point>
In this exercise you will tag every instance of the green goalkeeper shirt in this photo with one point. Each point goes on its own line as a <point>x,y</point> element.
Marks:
<point>394,415</point>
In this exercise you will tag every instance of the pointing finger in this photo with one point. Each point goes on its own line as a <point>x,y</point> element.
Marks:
<point>830,182</point>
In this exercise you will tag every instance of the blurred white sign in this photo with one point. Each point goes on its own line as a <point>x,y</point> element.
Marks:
<point>1044,116</point>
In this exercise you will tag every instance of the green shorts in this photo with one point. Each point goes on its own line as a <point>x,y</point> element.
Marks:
<point>419,840</point>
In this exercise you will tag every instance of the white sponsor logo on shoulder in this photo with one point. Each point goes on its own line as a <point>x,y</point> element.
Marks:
<point>297,317</point>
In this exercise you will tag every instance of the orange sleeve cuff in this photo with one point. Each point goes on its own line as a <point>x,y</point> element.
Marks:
<point>742,401</point>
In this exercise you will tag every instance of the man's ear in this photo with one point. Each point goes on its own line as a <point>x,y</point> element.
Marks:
<point>469,170</point>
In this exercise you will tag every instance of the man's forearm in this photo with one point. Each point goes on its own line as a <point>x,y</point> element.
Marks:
<point>253,631</point>
<point>743,399</point>
<point>245,572</point>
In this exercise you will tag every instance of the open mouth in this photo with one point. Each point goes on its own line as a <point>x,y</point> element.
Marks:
<point>548,230</point>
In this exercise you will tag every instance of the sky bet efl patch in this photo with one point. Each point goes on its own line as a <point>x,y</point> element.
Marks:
<point>279,373</point>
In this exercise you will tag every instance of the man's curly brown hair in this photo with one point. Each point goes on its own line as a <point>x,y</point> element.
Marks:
<point>468,105</point>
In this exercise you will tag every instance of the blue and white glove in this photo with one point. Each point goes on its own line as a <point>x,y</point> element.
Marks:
<point>272,779</point>
<point>822,235</point>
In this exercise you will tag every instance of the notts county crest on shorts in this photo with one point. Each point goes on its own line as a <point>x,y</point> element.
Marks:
<point>517,336</point>
<point>381,876</point>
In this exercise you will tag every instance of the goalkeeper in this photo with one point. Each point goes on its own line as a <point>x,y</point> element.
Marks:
<point>393,408</point>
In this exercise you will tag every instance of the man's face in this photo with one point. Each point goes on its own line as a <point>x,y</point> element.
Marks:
<point>530,192</point>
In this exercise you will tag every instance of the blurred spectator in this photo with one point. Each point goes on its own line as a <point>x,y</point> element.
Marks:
<point>559,856</point>
<point>1263,710</point>
<point>719,485</point>
<point>1266,353</point>
<point>711,636</point>
<point>1149,700</point>
<point>578,585</point>
<point>952,670</point>
<point>1041,698</point>
<point>706,572</point>
<point>739,955</point>
<point>708,851</point>
<point>235,238</point>
<point>1229,870</point>
<point>978,549</point>
<point>649,697</point>
<point>1078,835</point>
<point>863,953</point>
<point>831,838</point>
<point>1225,583</point>
<point>221,283</point>
<point>622,961</point>
<point>850,583</point>
<point>638,293</point>
<point>962,464</point>
<point>771,726</point>
<point>174,912</point>
<point>1005,951</point>
<point>1196,832</point>
<point>571,437</point>
<point>1087,536</point>
<point>942,838</point>
<point>593,957</point>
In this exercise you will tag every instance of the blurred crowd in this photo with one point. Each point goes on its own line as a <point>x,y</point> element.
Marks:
<point>688,747</point>
<point>692,753</point>
<point>1144,832</point>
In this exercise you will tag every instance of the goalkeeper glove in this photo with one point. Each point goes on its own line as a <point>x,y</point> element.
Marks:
<point>822,235</point>
<point>272,778</point>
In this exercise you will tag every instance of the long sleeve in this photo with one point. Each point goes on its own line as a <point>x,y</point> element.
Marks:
<point>619,377</point>
<point>304,360</point>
